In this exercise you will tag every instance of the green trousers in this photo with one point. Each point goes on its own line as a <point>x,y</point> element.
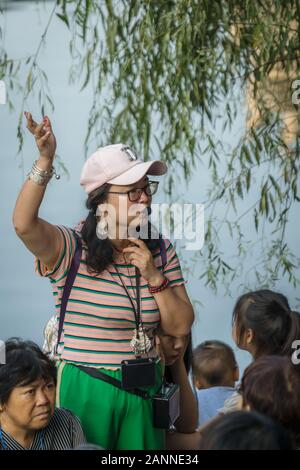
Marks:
<point>111,418</point>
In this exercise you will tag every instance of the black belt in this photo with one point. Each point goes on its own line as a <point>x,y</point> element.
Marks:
<point>97,374</point>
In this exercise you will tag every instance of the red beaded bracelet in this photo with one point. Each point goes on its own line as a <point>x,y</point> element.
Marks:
<point>160,288</point>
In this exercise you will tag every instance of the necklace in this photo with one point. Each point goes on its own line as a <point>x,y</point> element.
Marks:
<point>140,342</point>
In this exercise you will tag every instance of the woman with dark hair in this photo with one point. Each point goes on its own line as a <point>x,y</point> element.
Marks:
<point>243,430</point>
<point>28,417</point>
<point>127,281</point>
<point>271,386</point>
<point>264,324</point>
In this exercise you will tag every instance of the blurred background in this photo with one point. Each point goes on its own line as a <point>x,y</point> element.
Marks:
<point>26,299</point>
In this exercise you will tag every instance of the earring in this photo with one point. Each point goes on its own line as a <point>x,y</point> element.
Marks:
<point>102,229</point>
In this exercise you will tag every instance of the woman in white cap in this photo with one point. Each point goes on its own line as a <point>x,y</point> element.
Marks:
<point>113,286</point>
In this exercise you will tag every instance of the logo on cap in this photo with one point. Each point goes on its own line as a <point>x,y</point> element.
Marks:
<point>130,153</point>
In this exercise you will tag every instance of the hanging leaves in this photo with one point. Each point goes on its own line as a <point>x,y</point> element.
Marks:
<point>168,76</point>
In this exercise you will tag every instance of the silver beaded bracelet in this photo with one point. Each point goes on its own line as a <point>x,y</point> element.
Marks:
<point>41,177</point>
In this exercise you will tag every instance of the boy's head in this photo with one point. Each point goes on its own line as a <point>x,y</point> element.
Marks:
<point>214,365</point>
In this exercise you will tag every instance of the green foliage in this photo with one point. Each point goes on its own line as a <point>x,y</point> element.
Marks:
<point>190,65</point>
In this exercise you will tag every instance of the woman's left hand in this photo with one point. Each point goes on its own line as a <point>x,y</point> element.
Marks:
<point>140,256</point>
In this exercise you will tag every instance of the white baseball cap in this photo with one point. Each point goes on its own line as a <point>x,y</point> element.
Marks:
<point>117,164</point>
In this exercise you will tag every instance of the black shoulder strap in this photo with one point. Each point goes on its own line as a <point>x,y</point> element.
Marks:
<point>163,251</point>
<point>68,285</point>
<point>97,374</point>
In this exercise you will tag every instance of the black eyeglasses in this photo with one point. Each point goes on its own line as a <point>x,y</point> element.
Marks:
<point>135,194</point>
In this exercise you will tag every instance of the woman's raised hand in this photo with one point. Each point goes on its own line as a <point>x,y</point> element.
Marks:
<point>44,137</point>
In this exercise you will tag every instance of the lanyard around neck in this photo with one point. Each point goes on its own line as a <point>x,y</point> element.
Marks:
<point>137,309</point>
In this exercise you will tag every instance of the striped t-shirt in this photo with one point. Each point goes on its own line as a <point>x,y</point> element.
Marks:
<point>64,432</point>
<point>99,321</point>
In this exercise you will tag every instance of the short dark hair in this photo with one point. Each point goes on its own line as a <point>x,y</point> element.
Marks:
<point>25,363</point>
<point>244,430</point>
<point>269,316</point>
<point>213,361</point>
<point>271,386</point>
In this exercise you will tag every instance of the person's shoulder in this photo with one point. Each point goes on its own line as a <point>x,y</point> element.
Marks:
<point>72,235</point>
<point>204,392</point>
<point>165,239</point>
<point>216,390</point>
<point>169,245</point>
<point>70,423</point>
<point>77,232</point>
<point>78,228</point>
<point>164,245</point>
<point>67,232</point>
<point>62,415</point>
